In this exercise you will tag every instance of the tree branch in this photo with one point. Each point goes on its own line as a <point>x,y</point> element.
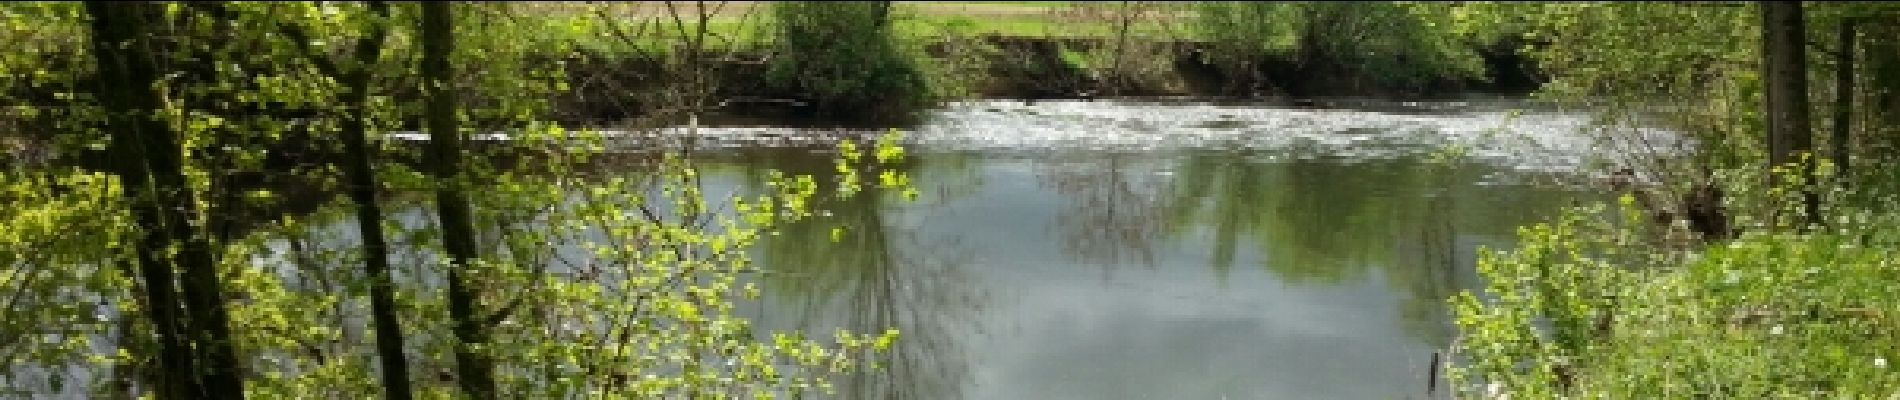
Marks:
<point>370,45</point>
<point>301,39</point>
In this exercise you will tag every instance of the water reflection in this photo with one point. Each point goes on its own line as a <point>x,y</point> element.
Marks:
<point>1115,214</point>
<point>873,275</point>
<point>1282,254</point>
<point>1262,276</point>
<point>1277,253</point>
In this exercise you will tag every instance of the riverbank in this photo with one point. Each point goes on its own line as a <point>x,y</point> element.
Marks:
<point>999,66</point>
<point>634,61</point>
<point>647,61</point>
<point>1772,314</point>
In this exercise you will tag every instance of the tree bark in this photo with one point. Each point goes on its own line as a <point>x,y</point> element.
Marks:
<point>195,351</point>
<point>883,14</point>
<point>114,26</point>
<point>1784,52</point>
<point>1883,63</point>
<point>474,370</point>
<point>1843,95</point>
<point>369,212</point>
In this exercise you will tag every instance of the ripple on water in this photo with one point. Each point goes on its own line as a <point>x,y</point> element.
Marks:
<point>1493,133</point>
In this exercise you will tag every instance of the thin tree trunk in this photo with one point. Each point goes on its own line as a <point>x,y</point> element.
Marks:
<point>1784,41</point>
<point>474,371</point>
<point>883,14</point>
<point>1883,64</point>
<point>123,375</point>
<point>1843,95</point>
<point>195,351</point>
<point>1121,46</point>
<point>369,212</point>
<point>218,155</point>
<point>1309,55</point>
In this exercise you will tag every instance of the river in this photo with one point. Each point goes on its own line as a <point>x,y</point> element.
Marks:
<point>1148,250</point>
<point>1129,249</point>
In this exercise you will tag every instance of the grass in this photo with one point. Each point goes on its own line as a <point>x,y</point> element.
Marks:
<point>1583,303</point>
<point>588,32</point>
<point>748,24</point>
<point>927,26</point>
<point>924,27</point>
<point>1005,3</point>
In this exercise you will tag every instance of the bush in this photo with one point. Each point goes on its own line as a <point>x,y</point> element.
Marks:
<point>842,57</point>
<point>1587,307</point>
<point>1404,46</point>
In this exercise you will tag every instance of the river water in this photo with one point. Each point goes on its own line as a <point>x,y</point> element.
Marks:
<point>1161,250</point>
<point>1143,249</point>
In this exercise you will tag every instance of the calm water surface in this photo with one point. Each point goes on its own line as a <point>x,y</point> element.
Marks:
<point>1131,250</point>
<point>1152,250</point>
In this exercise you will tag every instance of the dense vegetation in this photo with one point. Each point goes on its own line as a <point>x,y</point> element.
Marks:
<point>1396,45</point>
<point>168,169</point>
<point>880,61</point>
<point>148,273</point>
<point>843,55</point>
<point>1761,266</point>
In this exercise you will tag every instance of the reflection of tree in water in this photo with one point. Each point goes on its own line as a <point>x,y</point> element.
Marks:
<point>1332,221</point>
<point>1116,213</point>
<point>1213,189</point>
<point>1429,272</point>
<point>874,276</point>
<point>1311,219</point>
<point>1436,249</point>
<point>1336,222</point>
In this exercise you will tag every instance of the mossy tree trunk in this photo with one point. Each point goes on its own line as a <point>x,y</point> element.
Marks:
<point>369,212</point>
<point>474,370</point>
<point>1843,94</point>
<point>1784,52</point>
<point>1883,68</point>
<point>197,358</point>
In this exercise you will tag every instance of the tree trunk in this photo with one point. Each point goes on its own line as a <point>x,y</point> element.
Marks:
<point>369,212</point>
<point>225,205</point>
<point>1843,95</point>
<point>195,352</point>
<point>883,14</point>
<point>1883,63</point>
<point>1784,51</point>
<point>473,369</point>
<point>1118,74</point>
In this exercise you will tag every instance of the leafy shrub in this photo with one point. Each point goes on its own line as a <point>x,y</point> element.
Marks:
<point>843,57</point>
<point>1398,45</point>
<point>1588,307</point>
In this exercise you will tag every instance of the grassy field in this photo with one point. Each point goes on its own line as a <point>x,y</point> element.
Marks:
<point>748,23</point>
<point>1045,18</point>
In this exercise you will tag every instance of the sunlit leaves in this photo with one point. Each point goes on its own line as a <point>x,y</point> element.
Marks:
<point>60,275</point>
<point>1584,302</point>
<point>844,56</point>
<point>660,282</point>
<point>1688,66</point>
<point>645,311</point>
<point>1403,44</point>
